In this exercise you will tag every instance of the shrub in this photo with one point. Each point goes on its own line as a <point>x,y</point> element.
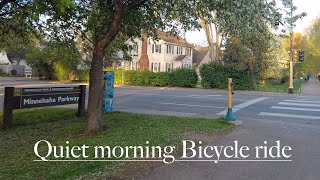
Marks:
<point>215,75</point>
<point>177,78</point>
<point>184,78</point>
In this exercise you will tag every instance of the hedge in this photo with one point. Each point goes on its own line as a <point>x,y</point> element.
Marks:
<point>177,78</point>
<point>215,75</point>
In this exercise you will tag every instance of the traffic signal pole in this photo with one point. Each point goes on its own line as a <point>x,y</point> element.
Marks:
<point>291,52</point>
<point>291,65</point>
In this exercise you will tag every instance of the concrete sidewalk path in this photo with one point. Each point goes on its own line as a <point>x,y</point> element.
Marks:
<point>311,88</point>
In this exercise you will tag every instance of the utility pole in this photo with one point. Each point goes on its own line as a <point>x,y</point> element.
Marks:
<point>291,50</point>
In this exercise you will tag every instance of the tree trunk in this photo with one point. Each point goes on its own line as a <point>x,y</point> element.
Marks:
<point>252,76</point>
<point>94,119</point>
<point>94,122</point>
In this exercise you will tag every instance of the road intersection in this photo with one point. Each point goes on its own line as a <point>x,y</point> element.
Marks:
<point>292,119</point>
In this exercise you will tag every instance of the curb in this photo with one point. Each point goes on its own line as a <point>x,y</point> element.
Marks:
<point>235,123</point>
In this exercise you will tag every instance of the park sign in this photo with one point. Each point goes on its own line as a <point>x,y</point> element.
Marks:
<point>21,98</point>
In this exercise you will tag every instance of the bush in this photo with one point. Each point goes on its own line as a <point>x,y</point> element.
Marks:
<point>184,78</point>
<point>215,75</point>
<point>177,78</point>
<point>83,74</point>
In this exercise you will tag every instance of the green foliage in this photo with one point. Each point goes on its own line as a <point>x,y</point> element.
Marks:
<point>274,86</point>
<point>177,78</point>
<point>39,59</point>
<point>184,78</point>
<point>57,60</point>
<point>215,75</point>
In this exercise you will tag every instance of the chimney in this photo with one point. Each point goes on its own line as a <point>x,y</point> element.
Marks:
<point>144,60</point>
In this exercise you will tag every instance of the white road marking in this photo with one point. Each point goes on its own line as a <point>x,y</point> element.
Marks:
<point>288,115</point>
<point>153,94</point>
<point>303,101</point>
<point>292,108</point>
<point>205,96</point>
<point>300,104</point>
<point>243,105</point>
<point>191,105</point>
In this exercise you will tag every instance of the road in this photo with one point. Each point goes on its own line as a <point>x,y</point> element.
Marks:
<point>292,119</point>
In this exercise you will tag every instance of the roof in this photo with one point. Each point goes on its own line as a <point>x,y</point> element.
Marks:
<point>180,57</point>
<point>4,58</point>
<point>166,36</point>
<point>199,53</point>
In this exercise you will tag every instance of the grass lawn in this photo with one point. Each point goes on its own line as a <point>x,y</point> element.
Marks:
<point>280,88</point>
<point>60,125</point>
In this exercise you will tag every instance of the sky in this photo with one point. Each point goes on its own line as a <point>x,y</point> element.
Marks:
<point>311,7</point>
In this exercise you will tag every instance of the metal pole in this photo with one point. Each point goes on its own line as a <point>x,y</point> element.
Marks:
<point>230,116</point>
<point>291,51</point>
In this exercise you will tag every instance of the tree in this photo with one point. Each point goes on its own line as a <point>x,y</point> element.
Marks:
<point>227,17</point>
<point>55,60</point>
<point>311,49</point>
<point>105,20</point>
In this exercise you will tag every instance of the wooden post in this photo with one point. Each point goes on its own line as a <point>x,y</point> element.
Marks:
<point>7,107</point>
<point>82,101</point>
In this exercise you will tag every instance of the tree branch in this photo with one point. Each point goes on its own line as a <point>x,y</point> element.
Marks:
<point>5,2</point>
<point>114,27</point>
<point>134,5</point>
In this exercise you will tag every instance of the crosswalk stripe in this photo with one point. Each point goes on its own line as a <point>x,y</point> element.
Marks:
<point>243,105</point>
<point>303,101</point>
<point>299,104</point>
<point>191,105</point>
<point>292,108</point>
<point>288,115</point>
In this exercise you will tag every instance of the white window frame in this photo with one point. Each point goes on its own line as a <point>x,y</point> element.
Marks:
<point>135,48</point>
<point>170,49</point>
<point>186,65</point>
<point>179,50</point>
<point>169,67</point>
<point>188,51</point>
<point>157,48</point>
<point>155,67</point>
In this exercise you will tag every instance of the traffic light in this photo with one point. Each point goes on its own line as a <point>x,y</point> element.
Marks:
<point>296,53</point>
<point>301,55</point>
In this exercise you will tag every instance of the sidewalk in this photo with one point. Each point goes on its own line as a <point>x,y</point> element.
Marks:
<point>311,88</point>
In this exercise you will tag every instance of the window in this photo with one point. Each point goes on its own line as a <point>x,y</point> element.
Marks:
<point>133,65</point>
<point>155,67</point>
<point>169,49</point>
<point>188,51</point>
<point>179,50</point>
<point>186,65</point>
<point>129,49</point>
<point>169,67</point>
<point>135,48</point>
<point>158,48</point>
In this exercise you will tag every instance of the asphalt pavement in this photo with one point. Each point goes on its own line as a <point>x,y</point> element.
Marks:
<point>292,119</point>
